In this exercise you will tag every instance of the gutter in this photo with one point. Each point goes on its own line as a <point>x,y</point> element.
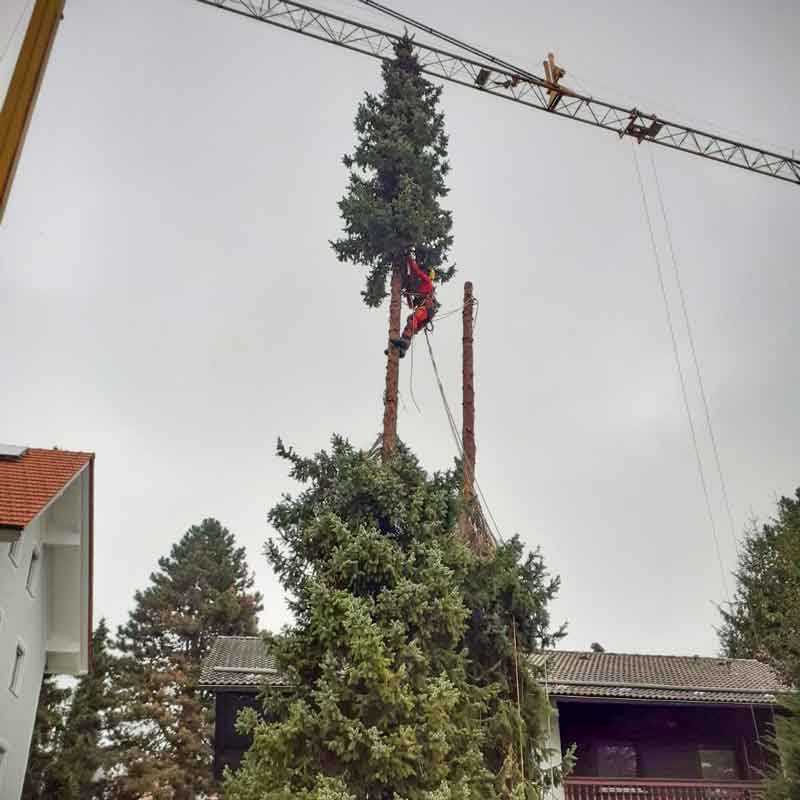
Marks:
<point>662,687</point>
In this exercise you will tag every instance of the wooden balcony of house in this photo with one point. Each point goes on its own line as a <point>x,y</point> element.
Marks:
<point>651,789</point>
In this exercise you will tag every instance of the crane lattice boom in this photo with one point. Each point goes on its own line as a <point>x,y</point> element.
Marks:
<point>497,78</point>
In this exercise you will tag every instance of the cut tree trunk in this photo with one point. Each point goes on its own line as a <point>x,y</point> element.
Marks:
<point>468,398</point>
<point>466,522</point>
<point>392,371</point>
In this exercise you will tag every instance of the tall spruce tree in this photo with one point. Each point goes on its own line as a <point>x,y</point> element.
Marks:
<point>397,180</point>
<point>162,726</point>
<point>399,660</point>
<point>763,622</point>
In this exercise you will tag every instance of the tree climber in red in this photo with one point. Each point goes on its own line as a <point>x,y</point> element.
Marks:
<point>420,296</point>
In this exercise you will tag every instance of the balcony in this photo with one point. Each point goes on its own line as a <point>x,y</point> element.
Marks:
<point>645,789</point>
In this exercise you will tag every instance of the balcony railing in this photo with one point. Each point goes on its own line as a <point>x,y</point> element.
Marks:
<point>646,789</point>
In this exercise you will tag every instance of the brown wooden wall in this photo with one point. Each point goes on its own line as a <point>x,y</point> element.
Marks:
<point>667,740</point>
<point>230,746</point>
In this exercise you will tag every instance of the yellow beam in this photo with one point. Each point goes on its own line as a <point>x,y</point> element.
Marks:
<point>24,88</point>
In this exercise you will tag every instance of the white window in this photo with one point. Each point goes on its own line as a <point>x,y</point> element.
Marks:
<point>33,571</point>
<point>16,671</point>
<point>13,552</point>
<point>719,763</point>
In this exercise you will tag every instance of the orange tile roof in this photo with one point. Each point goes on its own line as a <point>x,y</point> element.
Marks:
<point>29,483</point>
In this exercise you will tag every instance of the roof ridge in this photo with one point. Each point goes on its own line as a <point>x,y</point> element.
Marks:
<point>59,450</point>
<point>692,657</point>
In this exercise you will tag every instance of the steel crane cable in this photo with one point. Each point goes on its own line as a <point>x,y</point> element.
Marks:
<point>710,427</point>
<point>695,359</point>
<point>681,377</point>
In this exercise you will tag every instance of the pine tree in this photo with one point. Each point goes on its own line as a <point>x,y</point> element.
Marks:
<point>40,781</point>
<point>162,727</point>
<point>80,764</point>
<point>399,658</point>
<point>763,622</point>
<point>396,183</point>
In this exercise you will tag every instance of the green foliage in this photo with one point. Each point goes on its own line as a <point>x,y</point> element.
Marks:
<point>161,729</point>
<point>69,749</point>
<point>397,178</point>
<point>764,619</point>
<point>784,784</point>
<point>401,661</point>
<point>48,730</point>
<point>763,622</point>
<point>80,764</point>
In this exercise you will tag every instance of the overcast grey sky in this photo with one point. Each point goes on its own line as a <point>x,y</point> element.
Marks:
<point>169,299</point>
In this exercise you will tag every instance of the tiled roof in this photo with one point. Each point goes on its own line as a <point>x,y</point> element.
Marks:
<point>238,661</point>
<point>661,678</point>
<point>243,662</point>
<point>30,482</point>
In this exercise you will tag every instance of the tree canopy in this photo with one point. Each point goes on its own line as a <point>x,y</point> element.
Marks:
<point>161,729</point>
<point>397,178</point>
<point>763,622</point>
<point>764,619</point>
<point>401,666</point>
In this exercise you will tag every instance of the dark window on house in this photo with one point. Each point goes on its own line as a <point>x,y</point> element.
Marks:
<point>718,764</point>
<point>617,760</point>
<point>33,571</point>
<point>16,671</point>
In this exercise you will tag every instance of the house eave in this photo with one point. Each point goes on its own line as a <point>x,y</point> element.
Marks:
<point>10,533</point>
<point>651,701</point>
<point>248,688</point>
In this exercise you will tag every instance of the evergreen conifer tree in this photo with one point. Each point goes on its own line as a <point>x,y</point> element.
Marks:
<point>81,761</point>
<point>397,180</point>
<point>162,726</point>
<point>40,780</point>
<point>398,664</point>
<point>763,622</point>
<point>764,619</point>
<point>784,782</point>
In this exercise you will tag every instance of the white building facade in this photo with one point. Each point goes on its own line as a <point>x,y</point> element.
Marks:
<point>46,544</point>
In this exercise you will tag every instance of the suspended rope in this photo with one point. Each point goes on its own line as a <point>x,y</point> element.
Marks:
<point>706,409</point>
<point>14,30</point>
<point>546,793</point>
<point>684,393</point>
<point>519,700</point>
<point>712,436</point>
<point>496,535</point>
<point>411,380</point>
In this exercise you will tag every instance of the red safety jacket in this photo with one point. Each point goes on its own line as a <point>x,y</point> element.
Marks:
<point>423,285</point>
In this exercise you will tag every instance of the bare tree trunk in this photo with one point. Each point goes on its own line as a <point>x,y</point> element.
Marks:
<point>468,400</point>
<point>392,371</point>
<point>468,417</point>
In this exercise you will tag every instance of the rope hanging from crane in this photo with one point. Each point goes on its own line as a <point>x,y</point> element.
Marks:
<point>681,377</point>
